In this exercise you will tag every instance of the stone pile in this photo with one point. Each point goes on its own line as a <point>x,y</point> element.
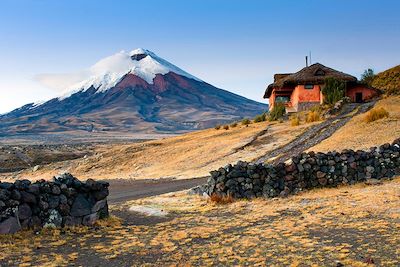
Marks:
<point>65,201</point>
<point>304,171</point>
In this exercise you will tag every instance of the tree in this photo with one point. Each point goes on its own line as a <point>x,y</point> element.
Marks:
<point>368,77</point>
<point>333,91</point>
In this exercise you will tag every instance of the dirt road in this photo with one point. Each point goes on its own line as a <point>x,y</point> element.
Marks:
<point>124,190</point>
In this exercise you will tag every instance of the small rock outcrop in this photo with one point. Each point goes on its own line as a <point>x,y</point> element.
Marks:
<point>304,171</point>
<point>65,201</point>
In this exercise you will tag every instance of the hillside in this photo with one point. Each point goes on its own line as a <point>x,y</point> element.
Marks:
<point>185,156</point>
<point>388,80</point>
<point>132,92</point>
<point>358,134</point>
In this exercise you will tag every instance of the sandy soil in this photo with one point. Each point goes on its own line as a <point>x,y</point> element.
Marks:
<point>186,156</point>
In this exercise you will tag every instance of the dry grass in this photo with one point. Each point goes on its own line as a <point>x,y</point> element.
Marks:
<point>295,121</point>
<point>351,224</point>
<point>218,199</point>
<point>185,156</point>
<point>376,114</point>
<point>313,116</point>
<point>357,134</point>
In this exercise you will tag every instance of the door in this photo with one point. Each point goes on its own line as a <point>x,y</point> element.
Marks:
<point>359,98</point>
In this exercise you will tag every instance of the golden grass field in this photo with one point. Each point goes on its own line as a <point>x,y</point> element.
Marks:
<point>359,134</point>
<point>185,156</point>
<point>355,225</point>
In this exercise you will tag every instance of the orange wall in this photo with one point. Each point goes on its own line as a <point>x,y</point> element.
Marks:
<point>367,93</point>
<point>300,94</point>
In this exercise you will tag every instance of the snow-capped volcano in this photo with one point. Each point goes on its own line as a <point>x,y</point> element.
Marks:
<point>106,73</point>
<point>132,92</point>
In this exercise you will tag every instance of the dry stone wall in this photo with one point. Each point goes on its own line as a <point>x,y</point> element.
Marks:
<point>304,171</point>
<point>65,201</point>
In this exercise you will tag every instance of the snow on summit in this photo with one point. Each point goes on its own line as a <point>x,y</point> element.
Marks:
<point>107,72</point>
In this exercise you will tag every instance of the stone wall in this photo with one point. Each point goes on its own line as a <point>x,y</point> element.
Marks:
<point>304,171</point>
<point>65,201</point>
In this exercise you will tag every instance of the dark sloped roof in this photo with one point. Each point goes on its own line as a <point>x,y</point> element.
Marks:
<point>314,74</point>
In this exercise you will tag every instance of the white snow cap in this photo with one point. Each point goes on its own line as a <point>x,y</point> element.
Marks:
<point>107,72</point>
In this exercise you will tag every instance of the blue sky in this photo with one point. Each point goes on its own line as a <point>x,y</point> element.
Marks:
<point>235,45</point>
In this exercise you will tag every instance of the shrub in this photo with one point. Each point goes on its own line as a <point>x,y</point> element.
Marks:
<point>226,127</point>
<point>218,199</point>
<point>295,121</point>
<point>233,125</point>
<point>246,122</point>
<point>277,112</point>
<point>312,116</point>
<point>333,91</point>
<point>376,114</point>
<point>217,127</point>
<point>260,118</point>
<point>368,77</point>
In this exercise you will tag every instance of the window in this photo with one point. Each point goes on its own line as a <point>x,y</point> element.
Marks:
<point>309,86</point>
<point>319,72</point>
<point>282,99</point>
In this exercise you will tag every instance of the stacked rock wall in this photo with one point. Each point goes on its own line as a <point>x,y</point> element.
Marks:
<point>305,171</point>
<point>65,201</point>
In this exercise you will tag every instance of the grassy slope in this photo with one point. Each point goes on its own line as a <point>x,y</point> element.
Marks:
<point>186,156</point>
<point>358,134</point>
<point>388,80</point>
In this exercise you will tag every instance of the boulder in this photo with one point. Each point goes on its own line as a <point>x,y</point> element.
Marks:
<point>54,220</point>
<point>10,226</point>
<point>80,207</point>
<point>24,212</point>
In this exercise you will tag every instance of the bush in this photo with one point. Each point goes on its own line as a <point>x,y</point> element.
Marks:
<point>246,122</point>
<point>233,125</point>
<point>295,121</point>
<point>218,199</point>
<point>226,127</point>
<point>333,91</point>
<point>312,116</point>
<point>277,112</point>
<point>376,114</point>
<point>368,77</point>
<point>260,118</point>
<point>217,127</point>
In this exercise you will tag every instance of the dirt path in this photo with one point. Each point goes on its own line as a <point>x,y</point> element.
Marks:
<point>315,134</point>
<point>124,190</point>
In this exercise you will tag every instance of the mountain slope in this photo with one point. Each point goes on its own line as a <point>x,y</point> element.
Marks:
<point>388,80</point>
<point>132,92</point>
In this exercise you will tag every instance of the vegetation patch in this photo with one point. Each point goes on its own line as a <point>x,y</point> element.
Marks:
<point>313,116</point>
<point>333,91</point>
<point>376,114</point>
<point>277,112</point>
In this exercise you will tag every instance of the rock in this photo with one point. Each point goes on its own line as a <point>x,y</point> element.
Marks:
<point>16,195</point>
<point>10,226</point>
<point>53,201</point>
<point>4,194</point>
<point>7,186</point>
<point>72,221</point>
<point>99,205</point>
<point>55,190</point>
<point>90,220</point>
<point>2,205</point>
<point>28,197</point>
<point>36,168</point>
<point>99,195</point>
<point>54,220</point>
<point>64,209</point>
<point>43,205</point>
<point>80,207</point>
<point>24,212</point>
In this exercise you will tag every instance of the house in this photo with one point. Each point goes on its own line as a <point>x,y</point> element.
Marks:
<point>303,89</point>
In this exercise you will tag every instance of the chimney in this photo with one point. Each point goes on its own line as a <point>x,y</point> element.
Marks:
<point>306,61</point>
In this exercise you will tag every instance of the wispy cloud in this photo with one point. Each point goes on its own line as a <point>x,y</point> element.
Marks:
<point>62,81</point>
